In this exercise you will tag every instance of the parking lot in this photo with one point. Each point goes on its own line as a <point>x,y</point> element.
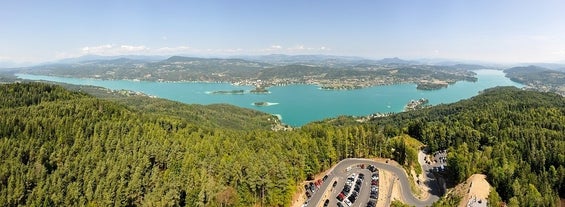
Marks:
<point>358,186</point>
<point>353,183</point>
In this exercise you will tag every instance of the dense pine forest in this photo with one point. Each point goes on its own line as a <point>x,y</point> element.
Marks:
<point>60,147</point>
<point>516,138</point>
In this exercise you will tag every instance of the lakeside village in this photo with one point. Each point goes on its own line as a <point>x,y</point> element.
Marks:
<point>410,106</point>
<point>344,84</point>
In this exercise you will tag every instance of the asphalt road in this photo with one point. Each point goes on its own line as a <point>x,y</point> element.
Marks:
<point>340,174</point>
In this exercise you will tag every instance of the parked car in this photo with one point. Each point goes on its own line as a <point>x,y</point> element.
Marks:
<point>371,168</point>
<point>347,202</point>
<point>326,203</point>
<point>340,197</point>
<point>374,195</point>
<point>352,198</point>
<point>357,188</point>
<point>334,184</point>
<point>346,189</point>
<point>312,187</point>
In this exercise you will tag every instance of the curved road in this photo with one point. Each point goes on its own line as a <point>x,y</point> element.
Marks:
<point>340,169</point>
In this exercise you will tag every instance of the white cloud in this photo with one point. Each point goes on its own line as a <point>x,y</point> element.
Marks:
<point>297,48</point>
<point>109,49</point>
<point>130,48</point>
<point>178,49</point>
<point>115,49</point>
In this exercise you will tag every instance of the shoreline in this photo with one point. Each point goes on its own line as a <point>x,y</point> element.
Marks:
<point>324,84</point>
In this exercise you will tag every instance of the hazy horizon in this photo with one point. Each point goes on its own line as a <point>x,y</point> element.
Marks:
<point>498,32</point>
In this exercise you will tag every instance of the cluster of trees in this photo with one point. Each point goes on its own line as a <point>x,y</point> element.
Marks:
<point>59,147</point>
<point>516,138</point>
<point>75,149</point>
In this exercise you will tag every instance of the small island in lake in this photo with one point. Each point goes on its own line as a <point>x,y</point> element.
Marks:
<point>428,86</point>
<point>416,104</point>
<point>229,92</point>
<point>259,90</point>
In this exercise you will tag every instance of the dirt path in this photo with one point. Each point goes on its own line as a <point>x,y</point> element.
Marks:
<point>386,186</point>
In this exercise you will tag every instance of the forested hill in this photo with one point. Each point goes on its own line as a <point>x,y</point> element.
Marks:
<point>539,78</point>
<point>515,137</point>
<point>63,148</point>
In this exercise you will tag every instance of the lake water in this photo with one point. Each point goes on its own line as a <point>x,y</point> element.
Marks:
<point>300,104</point>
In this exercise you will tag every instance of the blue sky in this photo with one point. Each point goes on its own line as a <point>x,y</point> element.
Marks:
<point>486,30</point>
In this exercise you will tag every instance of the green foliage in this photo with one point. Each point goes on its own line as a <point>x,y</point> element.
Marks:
<point>208,116</point>
<point>447,201</point>
<point>397,203</point>
<point>494,199</point>
<point>515,137</point>
<point>406,152</point>
<point>536,75</point>
<point>62,148</point>
<point>75,149</point>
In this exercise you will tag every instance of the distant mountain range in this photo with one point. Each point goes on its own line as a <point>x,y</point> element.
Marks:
<point>331,72</point>
<point>86,58</point>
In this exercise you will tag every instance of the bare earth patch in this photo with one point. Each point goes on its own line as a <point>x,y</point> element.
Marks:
<point>475,189</point>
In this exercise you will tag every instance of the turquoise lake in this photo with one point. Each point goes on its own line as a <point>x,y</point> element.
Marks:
<point>300,104</point>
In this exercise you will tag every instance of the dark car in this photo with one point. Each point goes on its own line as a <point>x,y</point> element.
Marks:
<point>357,188</point>
<point>339,204</point>
<point>312,187</point>
<point>374,195</point>
<point>352,198</point>
<point>371,204</point>
<point>361,176</point>
<point>325,177</point>
<point>355,194</point>
<point>370,167</point>
<point>334,184</point>
<point>346,189</point>
<point>326,203</point>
